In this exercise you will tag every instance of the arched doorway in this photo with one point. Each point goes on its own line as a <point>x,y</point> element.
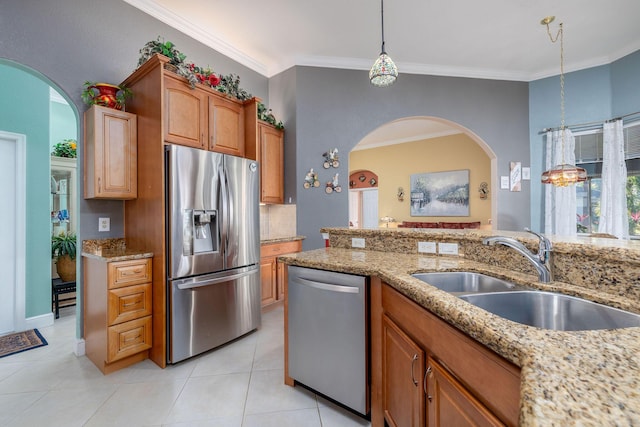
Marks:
<point>414,145</point>
<point>26,109</point>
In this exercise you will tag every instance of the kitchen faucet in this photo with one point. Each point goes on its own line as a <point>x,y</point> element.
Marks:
<point>541,261</point>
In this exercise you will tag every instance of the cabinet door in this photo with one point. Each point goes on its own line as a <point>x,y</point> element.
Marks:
<point>186,114</point>
<point>271,164</point>
<point>226,126</point>
<point>268,280</point>
<point>111,159</point>
<point>281,276</point>
<point>450,404</point>
<point>403,362</point>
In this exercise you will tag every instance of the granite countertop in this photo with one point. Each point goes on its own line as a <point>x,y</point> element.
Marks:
<point>281,239</point>
<point>568,378</point>
<point>110,250</point>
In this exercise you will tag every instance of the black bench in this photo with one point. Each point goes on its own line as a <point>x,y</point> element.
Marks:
<point>58,287</point>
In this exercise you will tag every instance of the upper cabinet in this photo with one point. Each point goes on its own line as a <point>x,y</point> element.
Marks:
<point>186,113</point>
<point>226,125</point>
<point>265,143</point>
<point>202,118</point>
<point>110,159</point>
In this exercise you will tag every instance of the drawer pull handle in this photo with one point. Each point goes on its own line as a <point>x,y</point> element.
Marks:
<point>413,361</point>
<point>125,305</point>
<point>129,273</point>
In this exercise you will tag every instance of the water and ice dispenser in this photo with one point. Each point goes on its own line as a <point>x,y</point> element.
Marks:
<point>200,231</point>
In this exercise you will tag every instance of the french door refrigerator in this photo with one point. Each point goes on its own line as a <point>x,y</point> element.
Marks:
<point>213,250</point>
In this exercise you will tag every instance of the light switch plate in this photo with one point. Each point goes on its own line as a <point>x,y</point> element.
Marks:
<point>104,224</point>
<point>427,247</point>
<point>448,248</point>
<point>357,242</point>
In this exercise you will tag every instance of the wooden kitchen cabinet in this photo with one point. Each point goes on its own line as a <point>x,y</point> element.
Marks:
<point>451,404</point>
<point>118,312</point>
<point>426,372</point>
<point>226,125</point>
<point>272,272</point>
<point>202,118</point>
<point>185,113</point>
<point>110,154</point>
<point>402,373</point>
<point>265,144</point>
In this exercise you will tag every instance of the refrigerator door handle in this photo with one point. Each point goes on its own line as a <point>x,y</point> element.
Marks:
<point>226,207</point>
<point>328,287</point>
<point>207,281</point>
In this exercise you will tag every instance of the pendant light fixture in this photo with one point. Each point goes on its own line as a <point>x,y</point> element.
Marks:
<point>383,72</point>
<point>561,175</point>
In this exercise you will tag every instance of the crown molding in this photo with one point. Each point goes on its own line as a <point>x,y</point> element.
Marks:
<point>206,37</point>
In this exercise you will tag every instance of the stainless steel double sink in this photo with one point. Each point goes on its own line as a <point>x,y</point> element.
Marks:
<point>546,310</point>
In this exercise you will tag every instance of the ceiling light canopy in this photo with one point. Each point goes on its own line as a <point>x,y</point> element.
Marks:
<point>561,175</point>
<point>383,72</point>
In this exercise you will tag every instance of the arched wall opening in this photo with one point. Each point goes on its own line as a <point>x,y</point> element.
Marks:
<point>424,144</point>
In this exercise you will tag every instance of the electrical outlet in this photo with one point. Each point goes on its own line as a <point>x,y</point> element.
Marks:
<point>357,242</point>
<point>448,248</point>
<point>427,247</point>
<point>104,224</point>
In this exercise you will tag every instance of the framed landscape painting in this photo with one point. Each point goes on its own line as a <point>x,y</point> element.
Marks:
<point>440,193</point>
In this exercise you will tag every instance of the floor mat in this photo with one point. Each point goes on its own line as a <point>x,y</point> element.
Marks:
<point>21,341</point>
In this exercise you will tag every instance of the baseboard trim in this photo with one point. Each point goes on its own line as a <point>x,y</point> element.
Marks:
<point>41,321</point>
<point>78,347</point>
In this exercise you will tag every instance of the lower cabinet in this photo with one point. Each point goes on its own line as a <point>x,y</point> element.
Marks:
<point>431,374</point>
<point>117,312</point>
<point>272,272</point>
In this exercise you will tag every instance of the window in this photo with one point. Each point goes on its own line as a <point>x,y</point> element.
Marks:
<point>589,156</point>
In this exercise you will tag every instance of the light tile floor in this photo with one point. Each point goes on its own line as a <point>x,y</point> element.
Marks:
<point>238,385</point>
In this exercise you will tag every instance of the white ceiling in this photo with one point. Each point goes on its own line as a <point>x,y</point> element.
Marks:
<point>494,39</point>
<point>497,39</point>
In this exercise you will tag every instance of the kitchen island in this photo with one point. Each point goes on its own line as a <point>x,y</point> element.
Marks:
<point>567,378</point>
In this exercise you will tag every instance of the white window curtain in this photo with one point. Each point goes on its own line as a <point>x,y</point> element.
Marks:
<point>560,202</point>
<point>613,198</point>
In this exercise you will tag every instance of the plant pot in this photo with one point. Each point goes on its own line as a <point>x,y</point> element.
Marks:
<point>66,268</point>
<point>107,95</point>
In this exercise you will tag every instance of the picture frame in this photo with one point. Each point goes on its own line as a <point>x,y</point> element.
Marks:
<point>440,193</point>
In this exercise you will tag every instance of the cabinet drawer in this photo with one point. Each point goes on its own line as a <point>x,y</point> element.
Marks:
<point>275,249</point>
<point>128,303</point>
<point>129,338</point>
<point>125,273</point>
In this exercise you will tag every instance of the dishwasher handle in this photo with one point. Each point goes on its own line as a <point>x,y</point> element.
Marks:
<point>328,286</point>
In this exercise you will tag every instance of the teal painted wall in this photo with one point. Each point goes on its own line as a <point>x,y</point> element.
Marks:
<point>591,95</point>
<point>62,123</point>
<point>24,108</point>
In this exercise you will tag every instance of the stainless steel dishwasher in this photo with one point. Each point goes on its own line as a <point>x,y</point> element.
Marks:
<point>328,335</point>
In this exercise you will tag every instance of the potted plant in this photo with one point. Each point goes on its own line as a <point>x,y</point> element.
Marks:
<point>105,94</point>
<point>66,148</point>
<point>63,250</point>
<point>176,58</point>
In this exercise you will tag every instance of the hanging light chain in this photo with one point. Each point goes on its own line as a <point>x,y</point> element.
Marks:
<point>559,35</point>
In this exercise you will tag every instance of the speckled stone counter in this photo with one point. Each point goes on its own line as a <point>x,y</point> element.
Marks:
<point>586,378</point>
<point>281,240</point>
<point>110,250</point>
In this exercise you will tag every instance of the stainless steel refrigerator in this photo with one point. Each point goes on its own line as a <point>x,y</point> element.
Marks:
<point>213,250</point>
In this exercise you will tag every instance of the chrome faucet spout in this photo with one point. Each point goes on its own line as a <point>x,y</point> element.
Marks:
<point>541,261</point>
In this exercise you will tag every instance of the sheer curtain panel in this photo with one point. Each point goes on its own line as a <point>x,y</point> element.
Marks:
<point>613,199</point>
<point>560,202</point>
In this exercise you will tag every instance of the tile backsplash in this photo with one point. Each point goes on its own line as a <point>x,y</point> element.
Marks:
<point>277,221</point>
